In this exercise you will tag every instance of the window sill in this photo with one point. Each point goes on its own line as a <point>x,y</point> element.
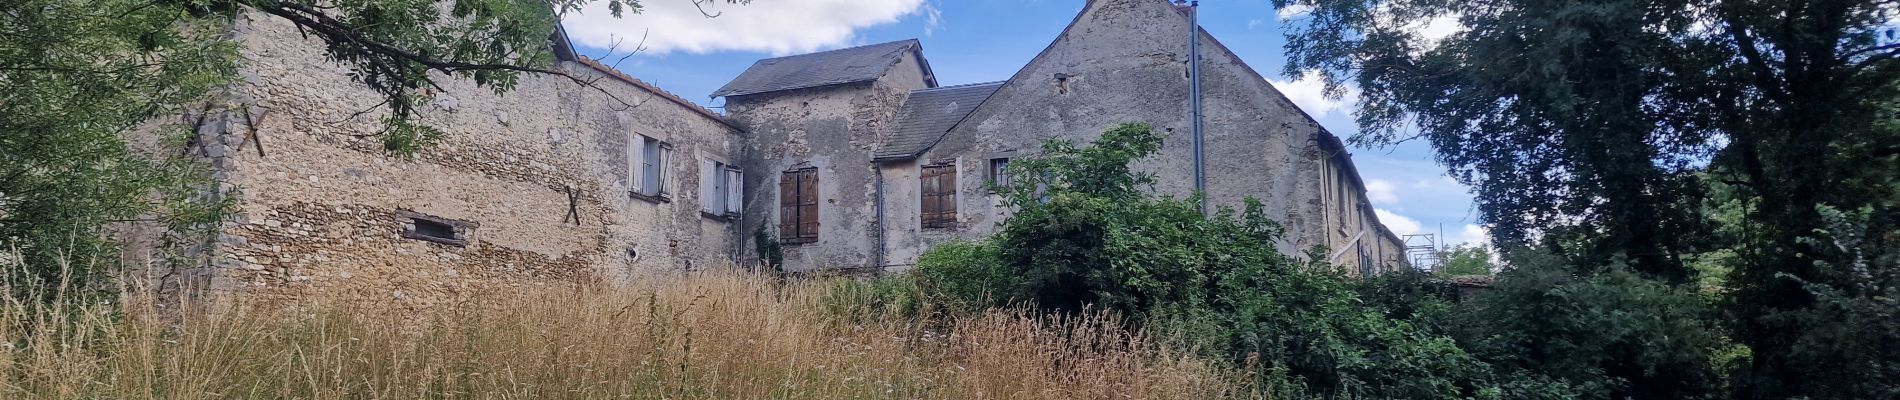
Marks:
<point>798,241</point>
<point>662,198</point>
<point>719,217</point>
<point>436,240</point>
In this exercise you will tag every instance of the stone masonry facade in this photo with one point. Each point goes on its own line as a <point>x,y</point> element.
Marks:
<point>555,181</point>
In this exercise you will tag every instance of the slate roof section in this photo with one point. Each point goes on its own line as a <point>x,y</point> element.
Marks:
<point>929,114</point>
<point>564,51</point>
<point>825,68</point>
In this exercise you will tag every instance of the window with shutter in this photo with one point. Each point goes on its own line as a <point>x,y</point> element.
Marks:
<point>798,206</point>
<point>735,191</point>
<point>647,177</point>
<point>939,192</point>
<point>712,192</point>
<point>721,190</point>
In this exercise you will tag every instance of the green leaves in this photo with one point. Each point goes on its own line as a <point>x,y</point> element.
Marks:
<point>1588,129</point>
<point>1087,235</point>
<point>81,78</point>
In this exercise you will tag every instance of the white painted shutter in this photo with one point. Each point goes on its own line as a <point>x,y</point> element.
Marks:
<point>636,158</point>
<point>735,193</point>
<point>709,193</point>
<point>665,174</point>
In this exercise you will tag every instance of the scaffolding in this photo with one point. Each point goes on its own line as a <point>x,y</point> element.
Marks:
<point>1423,250</point>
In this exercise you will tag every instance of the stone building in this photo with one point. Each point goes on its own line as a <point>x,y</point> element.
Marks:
<point>555,180</point>
<point>898,163</point>
<point>828,153</point>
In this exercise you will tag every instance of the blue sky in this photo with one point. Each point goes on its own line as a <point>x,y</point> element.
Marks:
<point>970,41</point>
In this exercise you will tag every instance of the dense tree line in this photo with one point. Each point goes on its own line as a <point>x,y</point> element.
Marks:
<point>1754,139</point>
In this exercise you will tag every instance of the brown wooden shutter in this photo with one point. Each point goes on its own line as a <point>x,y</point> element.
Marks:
<point>939,193</point>
<point>788,206</point>
<point>808,204</point>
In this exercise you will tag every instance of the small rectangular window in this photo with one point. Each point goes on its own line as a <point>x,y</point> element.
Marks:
<point>999,172</point>
<point>722,189</point>
<point>647,159</point>
<point>430,228</point>
<point>939,192</point>
<point>798,206</point>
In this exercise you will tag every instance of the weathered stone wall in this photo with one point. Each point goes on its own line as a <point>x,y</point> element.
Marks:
<point>539,174</point>
<point>834,129</point>
<point>1126,61</point>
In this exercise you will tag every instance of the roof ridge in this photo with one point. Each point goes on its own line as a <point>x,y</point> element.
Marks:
<point>840,49</point>
<point>663,93</point>
<point>959,86</point>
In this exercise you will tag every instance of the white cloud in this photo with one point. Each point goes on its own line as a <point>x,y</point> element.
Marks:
<point>1255,23</point>
<point>1382,192</point>
<point>776,26</point>
<point>1309,92</point>
<point>1473,234</point>
<point>1438,28</point>
<point>1399,224</point>
<point>1292,11</point>
<point>933,19</point>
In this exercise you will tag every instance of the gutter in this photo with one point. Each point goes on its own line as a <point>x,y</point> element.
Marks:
<point>877,191</point>
<point>1194,99</point>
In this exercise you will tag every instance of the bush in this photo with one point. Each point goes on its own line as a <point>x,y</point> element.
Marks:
<point>1411,295</point>
<point>1613,335</point>
<point>963,277</point>
<point>1086,235</point>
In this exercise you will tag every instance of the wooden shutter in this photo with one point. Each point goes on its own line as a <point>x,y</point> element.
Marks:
<point>709,191</point>
<point>788,206</point>
<point>735,192</point>
<point>808,204</point>
<point>664,175</point>
<point>636,160</point>
<point>939,184</point>
<point>798,206</point>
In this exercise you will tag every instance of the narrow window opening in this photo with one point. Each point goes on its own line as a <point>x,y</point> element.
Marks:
<point>999,173</point>
<point>435,229</point>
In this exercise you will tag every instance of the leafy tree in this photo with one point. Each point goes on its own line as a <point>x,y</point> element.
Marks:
<point>1466,259</point>
<point>81,75</point>
<point>1590,123</point>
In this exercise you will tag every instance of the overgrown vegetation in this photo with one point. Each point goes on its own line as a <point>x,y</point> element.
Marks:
<point>1087,236</point>
<point>715,335</point>
<point>80,76</point>
<point>1753,140</point>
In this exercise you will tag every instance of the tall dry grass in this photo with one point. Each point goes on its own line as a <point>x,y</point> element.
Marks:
<point>711,335</point>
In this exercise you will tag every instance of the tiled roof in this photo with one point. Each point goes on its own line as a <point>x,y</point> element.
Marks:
<point>656,90</point>
<point>849,65</point>
<point>930,113</point>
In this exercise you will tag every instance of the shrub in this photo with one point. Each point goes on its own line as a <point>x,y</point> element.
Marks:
<point>1611,335</point>
<point>965,276</point>
<point>1085,235</point>
<point>1411,295</point>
